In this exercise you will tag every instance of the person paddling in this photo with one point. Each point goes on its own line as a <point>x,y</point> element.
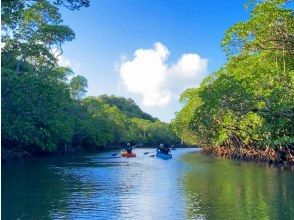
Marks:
<point>163,149</point>
<point>129,148</point>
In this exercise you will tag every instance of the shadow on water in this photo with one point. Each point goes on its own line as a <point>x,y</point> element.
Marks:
<point>33,189</point>
<point>224,189</point>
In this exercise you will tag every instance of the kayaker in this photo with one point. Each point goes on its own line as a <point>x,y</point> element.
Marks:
<point>163,149</point>
<point>159,148</point>
<point>166,149</point>
<point>129,148</point>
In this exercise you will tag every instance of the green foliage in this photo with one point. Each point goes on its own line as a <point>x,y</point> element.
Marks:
<point>44,111</point>
<point>78,85</point>
<point>122,128</point>
<point>151,133</point>
<point>35,96</point>
<point>128,106</point>
<point>250,100</point>
<point>270,27</point>
<point>73,4</point>
<point>35,110</point>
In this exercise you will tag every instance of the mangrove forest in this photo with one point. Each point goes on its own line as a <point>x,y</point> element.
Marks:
<point>245,110</point>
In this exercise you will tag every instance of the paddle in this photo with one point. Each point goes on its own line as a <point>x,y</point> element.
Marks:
<point>153,155</point>
<point>139,145</point>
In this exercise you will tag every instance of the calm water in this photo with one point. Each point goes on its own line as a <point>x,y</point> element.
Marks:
<point>189,186</point>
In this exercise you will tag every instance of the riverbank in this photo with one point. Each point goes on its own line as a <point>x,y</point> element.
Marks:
<point>282,157</point>
<point>18,154</point>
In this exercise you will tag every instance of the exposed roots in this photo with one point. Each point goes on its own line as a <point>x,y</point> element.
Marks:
<point>282,157</point>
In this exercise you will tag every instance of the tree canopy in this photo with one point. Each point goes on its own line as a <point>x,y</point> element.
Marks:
<point>250,100</point>
<point>43,109</point>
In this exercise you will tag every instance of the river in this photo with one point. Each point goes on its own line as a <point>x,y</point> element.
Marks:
<point>188,186</point>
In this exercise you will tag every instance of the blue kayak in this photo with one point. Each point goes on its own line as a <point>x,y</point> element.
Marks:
<point>164,156</point>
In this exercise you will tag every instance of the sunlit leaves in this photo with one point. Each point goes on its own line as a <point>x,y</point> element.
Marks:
<point>250,100</point>
<point>78,86</point>
<point>269,28</point>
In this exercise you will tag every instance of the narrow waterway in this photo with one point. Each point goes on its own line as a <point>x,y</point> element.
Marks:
<point>188,186</point>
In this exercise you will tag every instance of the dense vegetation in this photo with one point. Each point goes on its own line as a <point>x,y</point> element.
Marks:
<point>127,106</point>
<point>249,102</point>
<point>42,109</point>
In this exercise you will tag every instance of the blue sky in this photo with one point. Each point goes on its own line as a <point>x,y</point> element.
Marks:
<point>108,33</point>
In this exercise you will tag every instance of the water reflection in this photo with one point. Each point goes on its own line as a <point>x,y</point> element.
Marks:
<point>189,186</point>
<point>23,188</point>
<point>223,189</point>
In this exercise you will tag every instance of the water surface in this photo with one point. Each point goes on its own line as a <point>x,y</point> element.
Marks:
<point>189,186</point>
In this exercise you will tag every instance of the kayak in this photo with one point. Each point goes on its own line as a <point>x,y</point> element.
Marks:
<point>126,154</point>
<point>164,156</point>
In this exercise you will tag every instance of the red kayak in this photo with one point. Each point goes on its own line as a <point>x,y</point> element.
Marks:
<point>126,154</point>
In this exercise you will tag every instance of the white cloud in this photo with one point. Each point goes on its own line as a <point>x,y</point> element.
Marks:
<point>65,62</point>
<point>74,65</point>
<point>2,46</point>
<point>189,66</point>
<point>149,75</point>
<point>62,61</point>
